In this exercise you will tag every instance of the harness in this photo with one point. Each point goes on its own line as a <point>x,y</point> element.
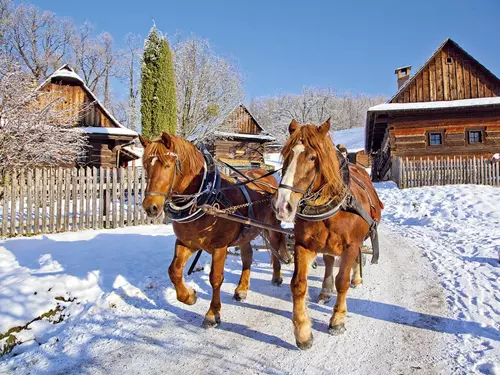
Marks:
<point>347,203</point>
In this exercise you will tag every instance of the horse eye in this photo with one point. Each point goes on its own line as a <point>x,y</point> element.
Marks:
<point>312,158</point>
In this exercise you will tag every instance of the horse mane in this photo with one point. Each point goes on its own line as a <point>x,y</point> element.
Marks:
<point>185,151</point>
<point>310,137</point>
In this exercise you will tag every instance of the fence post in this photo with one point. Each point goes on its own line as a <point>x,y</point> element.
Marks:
<point>59,183</point>
<point>143,187</point>
<point>114,197</point>
<point>6,199</point>
<point>52,199</point>
<point>88,196</point>
<point>108,198</point>
<point>122,197</point>
<point>129,197</point>
<point>94,198</point>
<point>13,205</point>
<point>21,202</point>
<point>101,198</point>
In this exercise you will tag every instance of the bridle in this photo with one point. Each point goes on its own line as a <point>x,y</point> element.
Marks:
<point>307,193</point>
<point>177,170</point>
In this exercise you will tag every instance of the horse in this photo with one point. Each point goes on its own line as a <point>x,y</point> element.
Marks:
<point>177,170</point>
<point>314,182</point>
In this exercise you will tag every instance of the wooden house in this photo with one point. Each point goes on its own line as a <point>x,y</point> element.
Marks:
<point>108,140</point>
<point>240,140</point>
<point>449,108</point>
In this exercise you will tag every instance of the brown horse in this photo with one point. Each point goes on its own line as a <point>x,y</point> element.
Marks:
<point>312,177</point>
<point>175,167</point>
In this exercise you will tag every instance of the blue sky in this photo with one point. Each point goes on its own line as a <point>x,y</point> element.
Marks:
<point>286,45</point>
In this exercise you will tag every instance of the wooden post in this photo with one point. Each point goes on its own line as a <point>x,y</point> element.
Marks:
<point>136,196</point>
<point>101,198</point>
<point>29,201</point>
<point>52,200</point>
<point>13,203</point>
<point>129,197</point>
<point>60,181</point>
<point>21,202</point>
<point>497,173</point>
<point>396,170</point>
<point>6,199</point>
<point>88,196</point>
<point>43,197</point>
<point>74,181</point>
<point>67,196</point>
<point>122,197</point>
<point>108,198</point>
<point>95,187</point>
<point>81,191</point>
<point>114,197</point>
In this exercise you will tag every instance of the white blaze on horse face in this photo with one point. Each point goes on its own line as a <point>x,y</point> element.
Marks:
<point>153,160</point>
<point>288,178</point>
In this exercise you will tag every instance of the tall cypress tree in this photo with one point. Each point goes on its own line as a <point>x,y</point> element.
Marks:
<point>158,96</point>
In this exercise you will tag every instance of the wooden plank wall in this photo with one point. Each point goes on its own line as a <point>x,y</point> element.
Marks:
<point>223,149</point>
<point>428,171</point>
<point>442,79</point>
<point>52,200</point>
<point>77,97</point>
<point>240,121</point>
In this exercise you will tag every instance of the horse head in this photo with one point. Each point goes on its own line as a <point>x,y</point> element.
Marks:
<point>162,166</point>
<point>309,165</point>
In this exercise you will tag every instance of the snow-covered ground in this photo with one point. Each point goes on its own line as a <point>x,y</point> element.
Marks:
<point>457,228</point>
<point>430,306</point>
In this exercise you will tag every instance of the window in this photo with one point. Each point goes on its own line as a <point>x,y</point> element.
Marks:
<point>449,60</point>
<point>475,136</point>
<point>435,139</point>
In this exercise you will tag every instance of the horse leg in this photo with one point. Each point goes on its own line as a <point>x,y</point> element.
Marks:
<point>246,252</point>
<point>301,322</point>
<point>278,243</point>
<point>212,317</point>
<point>356,279</point>
<point>182,255</point>
<point>337,322</point>
<point>327,288</point>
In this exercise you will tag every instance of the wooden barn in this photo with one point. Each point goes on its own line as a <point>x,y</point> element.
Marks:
<point>241,141</point>
<point>107,138</point>
<point>450,108</point>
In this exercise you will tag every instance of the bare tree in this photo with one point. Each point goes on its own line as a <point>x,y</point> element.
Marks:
<point>36,128</point>
<point>209,87</point>
<point>39,40</point>
<point>313,105</point>
<point>132,54</point>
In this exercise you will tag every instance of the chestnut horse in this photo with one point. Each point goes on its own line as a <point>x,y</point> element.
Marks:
<point>312,178</point>
<point>175,168</point>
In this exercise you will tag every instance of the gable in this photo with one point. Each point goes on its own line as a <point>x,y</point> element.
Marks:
<point>241,121</point>
<point>450,74</point>
<point>80,98</point>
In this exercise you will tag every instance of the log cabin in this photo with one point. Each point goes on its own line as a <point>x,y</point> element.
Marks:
<point>449,108</point>
<point>108,140</point>
<point>240,141</point>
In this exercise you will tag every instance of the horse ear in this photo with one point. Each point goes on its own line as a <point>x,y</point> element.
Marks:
<point>144,141</point>
<point>325,127</point>
<point>167,140</point>
<point>294,125</point>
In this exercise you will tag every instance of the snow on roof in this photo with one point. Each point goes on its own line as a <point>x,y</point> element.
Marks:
<point>135,151</point>
<point>352,139</point>
<point>240,135</point>
<point>109,131</point>
<point>463,103</point>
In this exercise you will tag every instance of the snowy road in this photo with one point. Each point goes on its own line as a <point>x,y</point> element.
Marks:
<point>397,321</point>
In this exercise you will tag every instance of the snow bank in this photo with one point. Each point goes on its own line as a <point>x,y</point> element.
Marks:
<point>458,229</point>
<point>353,139</point>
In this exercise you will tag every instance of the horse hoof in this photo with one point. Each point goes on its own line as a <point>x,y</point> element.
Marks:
<point>211,323</point>
<point>356,283</point>
<point>277,281</point>
<point>306,344</point>
<point>240,296</point>
<point>324,298</point>
<point>336,330</point>
<point>191,300</point>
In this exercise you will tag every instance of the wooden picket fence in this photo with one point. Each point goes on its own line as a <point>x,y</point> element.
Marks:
<point>49,200</point>
<point>415,172</point>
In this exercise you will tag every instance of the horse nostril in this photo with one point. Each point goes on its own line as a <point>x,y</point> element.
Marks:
<point>154,209</point>
<point>288,207</point>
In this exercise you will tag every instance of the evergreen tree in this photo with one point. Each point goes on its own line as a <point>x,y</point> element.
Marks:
<point>158,96</point>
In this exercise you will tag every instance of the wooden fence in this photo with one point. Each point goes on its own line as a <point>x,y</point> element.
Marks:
<point>52,200</point>
<point>415,172</point>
